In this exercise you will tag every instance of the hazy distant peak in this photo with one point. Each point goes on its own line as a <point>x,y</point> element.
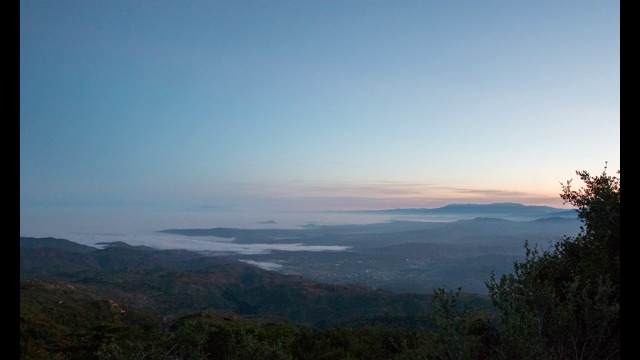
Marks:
<point>494,209</point>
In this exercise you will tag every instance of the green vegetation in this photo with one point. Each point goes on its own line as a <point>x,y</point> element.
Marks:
<point>565,303</point>
<point>559,303</point>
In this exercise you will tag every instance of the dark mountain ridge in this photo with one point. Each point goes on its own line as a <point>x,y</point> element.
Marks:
<point>180,282</point>
<point>53,243</point>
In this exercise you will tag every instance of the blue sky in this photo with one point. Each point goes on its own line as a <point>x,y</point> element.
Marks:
<point>314,105</point>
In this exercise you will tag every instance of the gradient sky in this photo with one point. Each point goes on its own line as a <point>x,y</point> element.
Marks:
<point>314,105</point>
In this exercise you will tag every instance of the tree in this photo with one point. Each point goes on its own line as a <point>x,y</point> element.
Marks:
<point>460,331</point>
<point>565,302</point>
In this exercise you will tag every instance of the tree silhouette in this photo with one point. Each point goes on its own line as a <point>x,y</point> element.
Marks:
<point>565,303</point>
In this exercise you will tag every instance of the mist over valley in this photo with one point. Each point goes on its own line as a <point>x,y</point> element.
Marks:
<point>400,250</point>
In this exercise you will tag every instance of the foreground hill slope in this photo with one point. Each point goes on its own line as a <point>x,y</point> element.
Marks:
<point>180,282</point>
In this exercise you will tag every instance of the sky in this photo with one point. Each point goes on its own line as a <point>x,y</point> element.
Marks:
<point>308,105</point>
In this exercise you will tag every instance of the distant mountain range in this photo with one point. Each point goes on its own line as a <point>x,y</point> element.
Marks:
<point>495,209</point>
<point>403,256</point>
